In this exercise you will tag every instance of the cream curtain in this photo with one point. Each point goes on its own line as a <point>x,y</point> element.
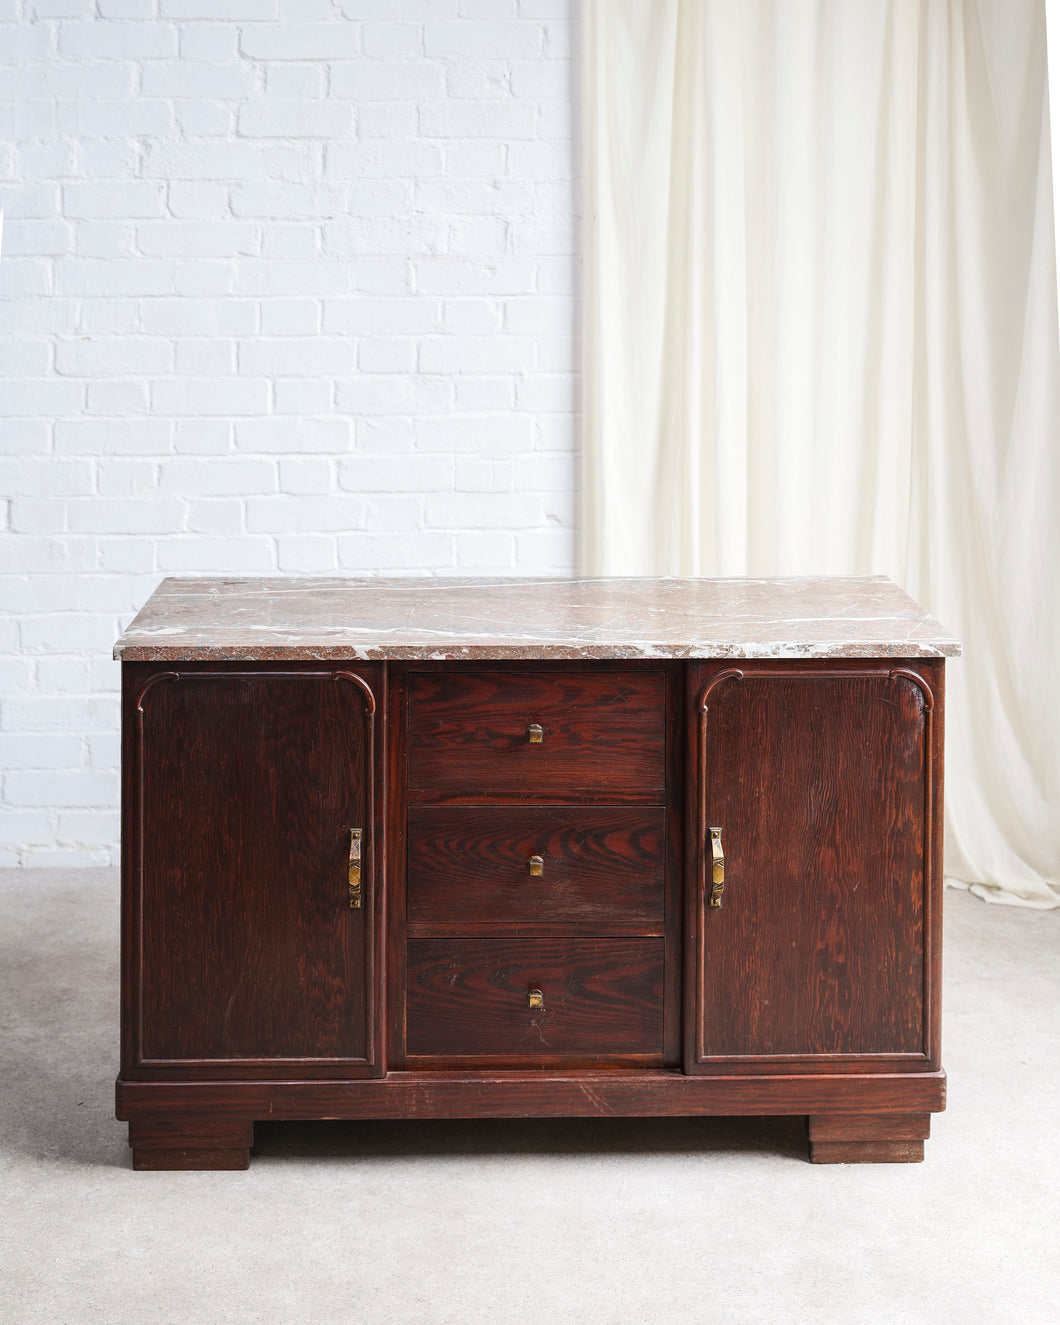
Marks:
<point>821,337</point>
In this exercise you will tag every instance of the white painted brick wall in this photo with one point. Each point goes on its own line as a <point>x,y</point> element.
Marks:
<point>286,286</point>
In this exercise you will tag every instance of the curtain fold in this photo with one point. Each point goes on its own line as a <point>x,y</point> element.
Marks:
<point>821,338</point>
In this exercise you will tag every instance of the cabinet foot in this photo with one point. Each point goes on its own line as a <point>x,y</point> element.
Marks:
<point>191,1143</point>
<point>868,1138</point>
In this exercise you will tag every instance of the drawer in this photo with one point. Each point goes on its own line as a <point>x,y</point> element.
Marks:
<point>472,734</point>
<point>502,868</point>
<point>471,999</point>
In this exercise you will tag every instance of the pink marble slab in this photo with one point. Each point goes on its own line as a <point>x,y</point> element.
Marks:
<point>314,618</point>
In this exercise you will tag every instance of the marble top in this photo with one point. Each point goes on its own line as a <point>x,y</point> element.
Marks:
<point>215,619</point>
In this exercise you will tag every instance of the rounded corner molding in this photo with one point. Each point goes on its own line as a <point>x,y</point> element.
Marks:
<point>917,680</point>
<point>149,684</point>
<point>729,674</point>
<point>361,684</point>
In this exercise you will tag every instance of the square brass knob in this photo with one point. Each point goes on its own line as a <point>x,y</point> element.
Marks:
<point>536,865</point>
<point>535,733</point>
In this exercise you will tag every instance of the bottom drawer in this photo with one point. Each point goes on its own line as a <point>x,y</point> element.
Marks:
<point>472,998</point>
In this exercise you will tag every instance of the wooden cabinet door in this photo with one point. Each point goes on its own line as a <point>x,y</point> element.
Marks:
<point>244,787</point>
<point>822,779</point>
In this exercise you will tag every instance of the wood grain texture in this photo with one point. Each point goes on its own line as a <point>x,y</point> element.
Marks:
<point>868,1138</point>
<point>824,980</point>
<point>819,780</point>
<point>190,1143</point>
<point>935,673</point>
<point>396,816</point>
<point>246,949</point>
<point>604,734</point>
<point>468,998</point>
<point>539,1094</point>
<point>603,869</point>
<point>676,762</point>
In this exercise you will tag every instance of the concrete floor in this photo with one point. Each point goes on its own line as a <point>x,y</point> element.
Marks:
<point>605,1222</point>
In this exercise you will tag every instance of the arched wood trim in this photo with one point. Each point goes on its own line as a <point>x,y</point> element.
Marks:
<point>371,908</point>
<point>827,674</point>
<point>917,680</point>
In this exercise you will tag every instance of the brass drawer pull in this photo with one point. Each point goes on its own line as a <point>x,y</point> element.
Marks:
<point>535,733</point>
<point>355,868</point>
<point>537,866</point>
<point>717,855</point>
<point>536,999</point>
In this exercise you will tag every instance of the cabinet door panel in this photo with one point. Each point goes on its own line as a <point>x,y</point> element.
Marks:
<point>820,780</point>
<point>249,952</point>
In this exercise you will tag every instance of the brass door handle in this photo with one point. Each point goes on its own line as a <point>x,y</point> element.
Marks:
<point>355,868</point>
<point>717,857</point>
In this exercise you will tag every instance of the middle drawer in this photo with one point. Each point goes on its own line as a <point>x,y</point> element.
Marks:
<point>505,869</point>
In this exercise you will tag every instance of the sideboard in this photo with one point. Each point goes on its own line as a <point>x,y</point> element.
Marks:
<point>474,848</point>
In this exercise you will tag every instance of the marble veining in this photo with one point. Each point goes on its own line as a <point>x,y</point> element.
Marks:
<point>268,619</point>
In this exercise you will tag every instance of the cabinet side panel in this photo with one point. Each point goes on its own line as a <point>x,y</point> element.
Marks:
<point>249,786</point>
<point>819,781</point>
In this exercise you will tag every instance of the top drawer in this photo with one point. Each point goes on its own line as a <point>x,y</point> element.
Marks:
<point>473,733</point>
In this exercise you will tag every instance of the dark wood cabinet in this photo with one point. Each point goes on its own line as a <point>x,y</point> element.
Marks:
<point>374,882</point>
<point>243,789</point>
<point>821,780</point>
